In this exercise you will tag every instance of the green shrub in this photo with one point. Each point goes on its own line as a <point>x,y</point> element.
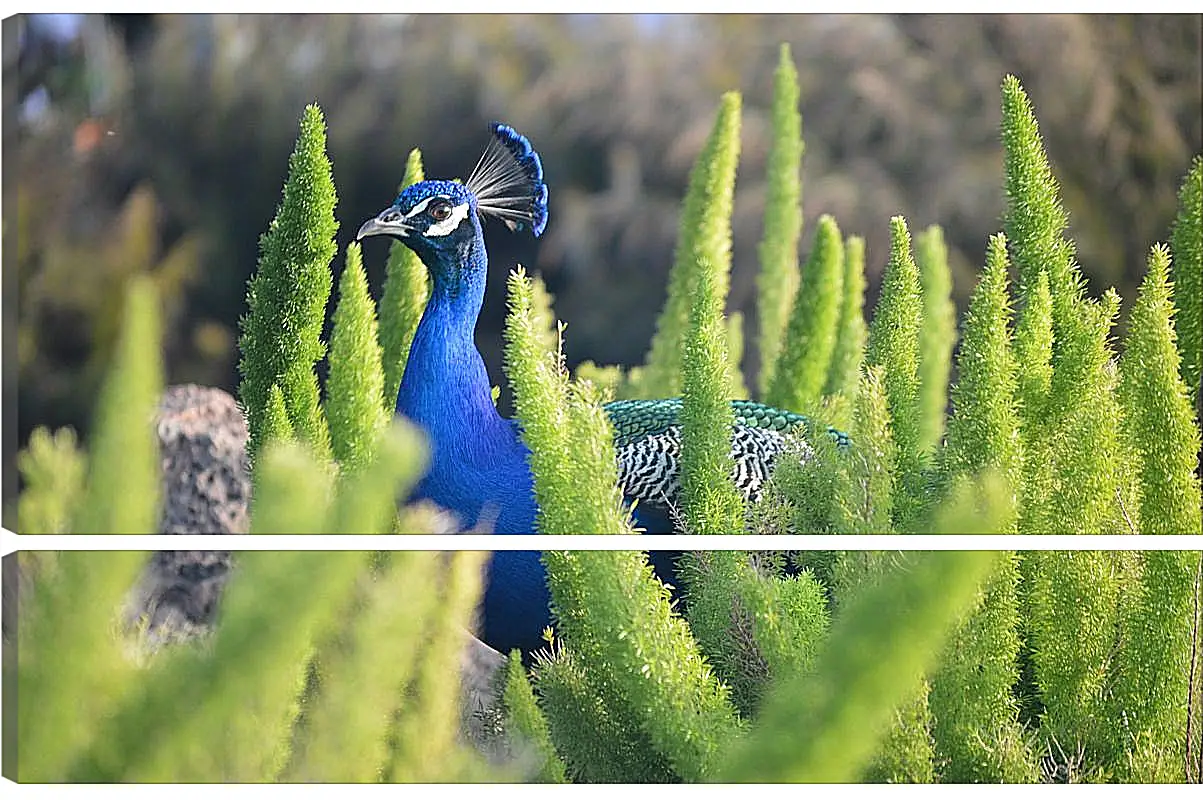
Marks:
<point>934,666</point>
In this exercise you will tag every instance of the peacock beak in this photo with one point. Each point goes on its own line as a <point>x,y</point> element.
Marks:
<point>388,222</point>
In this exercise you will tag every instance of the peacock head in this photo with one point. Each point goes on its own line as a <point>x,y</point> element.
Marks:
<point>440,218</point>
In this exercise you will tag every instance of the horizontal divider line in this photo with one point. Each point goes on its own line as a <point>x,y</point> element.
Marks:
<point>12,542</point>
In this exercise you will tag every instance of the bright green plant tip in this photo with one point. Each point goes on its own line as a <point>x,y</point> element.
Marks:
<point>1187,245</point>
<point>984,429</point>
<point>704,238</point>
<point>1160,422</point>
<point>281,333</point>
<point>711,501</point>
<point>53,469</point>
<point>937,335</point>
<point>123,485</point>
<point>1035,220</point>
<point>852,333</point>
<point>406,289</point>
<point>526,725</point>
<point>894,346</point>
<point>572,444</point>
<point>778,279</point>
<point>810,339</point>
<point>356,379</point>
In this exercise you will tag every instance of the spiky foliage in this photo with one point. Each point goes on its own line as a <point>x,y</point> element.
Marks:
<point>1159,421</point>
<point>1186,242</point>
<point>778,251</point>
<point>599,744</point>
<point>286,297</point>
<point>851,335</point>
<point>880,645</point>
<point>803,365</point>
<point>571,442</point>
<point>356,377</point>
<point>72,672</point>
<point>975,728</point>
<point>611,610</point>
<point>937,335</point>
<point>705,237</point>
<point>424,737</point>
<point>526,727</point>
<point>1160,427</point>
<point>406,289</point>
<point>1035,219</point>
<point>984,429</point>
<point>894,346</point>
<point>125,499</point>
<point>1034,351</point>
<point>53,469</point>
<point>866,500</point>
<point>608,606</point>
<point>711,502</point>
<point>906,753</point>
<point>361,670</point>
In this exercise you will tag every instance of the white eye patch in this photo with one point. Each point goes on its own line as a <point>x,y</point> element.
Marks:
<point>458,214</point>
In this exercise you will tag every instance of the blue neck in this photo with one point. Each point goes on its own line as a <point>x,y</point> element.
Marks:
<point>446,388</point>
<point>478,464</point>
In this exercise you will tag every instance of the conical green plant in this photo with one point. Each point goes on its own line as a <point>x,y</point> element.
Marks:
<point>852,333</point>
<point>894,346</point>
<point>1186,242</point>
<point>777,282</point>
<point>356,377</point>
<point>286,297</point>
<point>937,336</point>
<point>526,727</point>
<point>805,358</point>
<point>123,487</point>
<point>406,288</point>
<point>704,238</point>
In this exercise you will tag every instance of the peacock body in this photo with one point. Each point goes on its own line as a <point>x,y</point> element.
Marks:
<point>479,467</point>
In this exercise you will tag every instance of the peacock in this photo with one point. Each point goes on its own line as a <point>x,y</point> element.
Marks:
<point>479,464</point>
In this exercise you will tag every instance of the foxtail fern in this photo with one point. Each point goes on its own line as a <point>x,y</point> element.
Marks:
<point>526,726</point>
<point>406,287</point>
<point>356,377</point>
<point>937,335</point>
<point>805,357</point>
<point>705,234</point>
<point>851,335</point>
<point>778,279</point>
<point>894,346</point>
<point>125,499</point>
<point>286,298</point>
<point>880,646</point>
<point>53,469</point>
<point>1186,242</point>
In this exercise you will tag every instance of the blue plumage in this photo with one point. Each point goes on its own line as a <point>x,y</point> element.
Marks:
<point>479,465</point>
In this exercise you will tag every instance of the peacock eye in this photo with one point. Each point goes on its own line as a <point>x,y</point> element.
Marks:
<point>440,210</point>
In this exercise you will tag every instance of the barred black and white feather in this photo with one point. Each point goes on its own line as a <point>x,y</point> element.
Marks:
<point>648,444</point>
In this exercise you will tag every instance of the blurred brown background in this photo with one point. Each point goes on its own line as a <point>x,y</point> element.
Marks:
<point>160,143</point>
